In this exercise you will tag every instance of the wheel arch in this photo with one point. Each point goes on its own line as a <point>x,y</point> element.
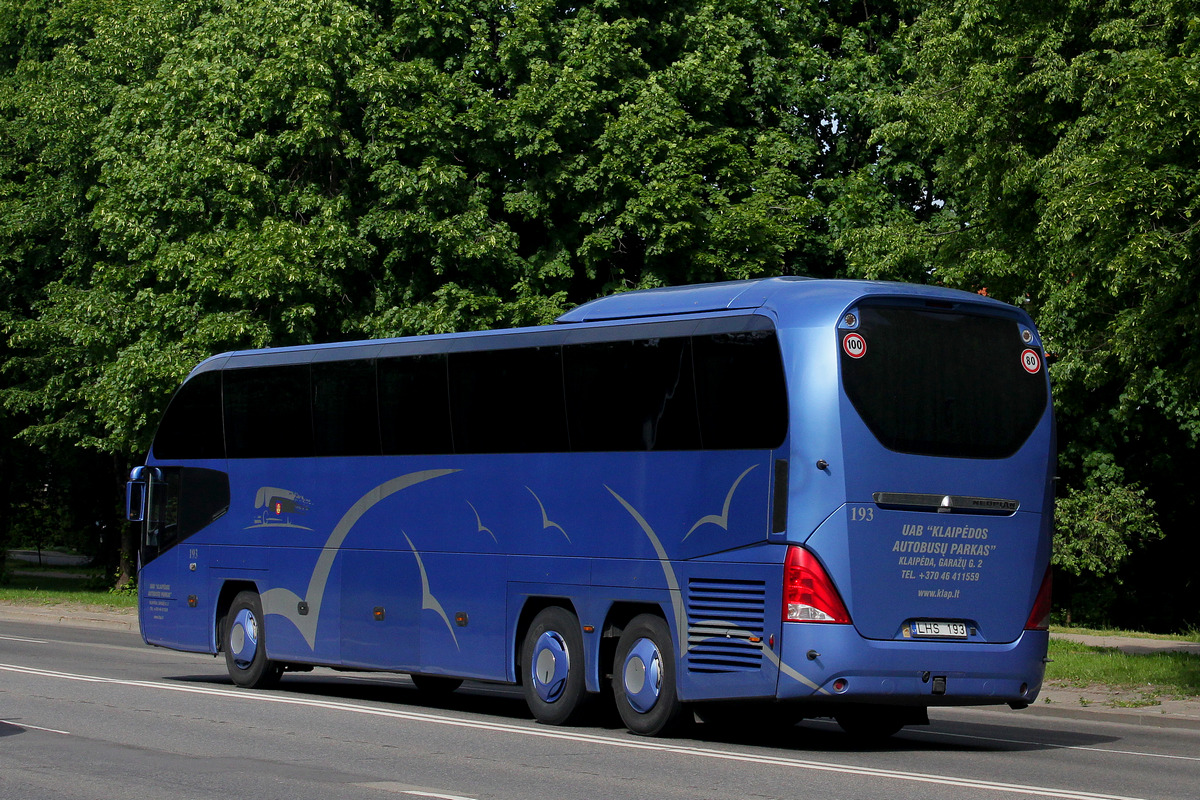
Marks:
<point>619,615</point>
<point>532,607</point>
<point>229,590</point>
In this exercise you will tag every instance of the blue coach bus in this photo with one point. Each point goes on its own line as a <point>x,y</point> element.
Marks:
<point>772,497</point>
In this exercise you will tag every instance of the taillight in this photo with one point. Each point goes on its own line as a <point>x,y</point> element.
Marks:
<point>1039,618</point>
<point>808,593</point>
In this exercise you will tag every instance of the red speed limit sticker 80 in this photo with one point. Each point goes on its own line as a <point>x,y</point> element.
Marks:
<point>1031,361</point>
<point>854,345</point>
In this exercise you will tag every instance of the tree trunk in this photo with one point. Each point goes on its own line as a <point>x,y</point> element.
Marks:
<point>127,568</point>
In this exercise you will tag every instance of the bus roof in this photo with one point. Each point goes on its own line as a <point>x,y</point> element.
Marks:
<point>747,295</point>
<point>789,301</point>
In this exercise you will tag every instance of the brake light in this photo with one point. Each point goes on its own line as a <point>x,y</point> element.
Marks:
<point>1039,618</point>
<point>808,593</point>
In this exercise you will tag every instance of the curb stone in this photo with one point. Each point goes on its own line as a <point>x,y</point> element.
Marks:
<point>72,617</point>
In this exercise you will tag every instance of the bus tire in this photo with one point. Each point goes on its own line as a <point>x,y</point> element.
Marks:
<point>245,644</point>
<point>644,677</point>
<point>435,685</point>
<point>552,664</point>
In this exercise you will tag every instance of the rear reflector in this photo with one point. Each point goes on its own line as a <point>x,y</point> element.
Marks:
<point>1039,618</point>
<point>808,593</point>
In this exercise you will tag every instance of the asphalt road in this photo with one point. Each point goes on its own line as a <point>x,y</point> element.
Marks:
<point>88,713</point>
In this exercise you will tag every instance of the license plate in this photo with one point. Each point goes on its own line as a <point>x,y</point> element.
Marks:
<point>940,629</point>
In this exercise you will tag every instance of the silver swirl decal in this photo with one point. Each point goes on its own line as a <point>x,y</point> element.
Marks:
<point>428,601</point>
<point>722,520</point>
<point>285,603</point>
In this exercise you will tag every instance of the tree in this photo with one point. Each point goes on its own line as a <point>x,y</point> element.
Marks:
<point>60,63</point>
<point>178,183</point>
<point>540,155</point>
<point>1061,150</point>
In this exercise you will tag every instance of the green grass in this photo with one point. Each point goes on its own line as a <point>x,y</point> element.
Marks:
<point>1153,674</point>
<point>28,584</point>
<point>1192,635</point>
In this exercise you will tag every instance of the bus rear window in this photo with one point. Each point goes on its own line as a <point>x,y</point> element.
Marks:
<point>941,383</point>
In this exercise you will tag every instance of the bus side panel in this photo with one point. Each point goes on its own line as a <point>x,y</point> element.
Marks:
<point>462,616</point>
<point>276,532</point>
<point>731,611</point>
<point>328,541</point>
<point>165,616</point>
<point>380,610</point>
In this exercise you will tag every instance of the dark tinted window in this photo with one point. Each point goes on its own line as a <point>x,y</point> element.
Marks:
<point>414,405</point>
<point>740,390</point>
<point>634,395</point>
<point>944,384</point>
<point>204,497</point>
<point>192,428</point>
<point>267,412</point>
<point>183,501</point>
<point>345,415</point>
<point>508,401</point>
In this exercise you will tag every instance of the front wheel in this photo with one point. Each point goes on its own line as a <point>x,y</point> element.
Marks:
<point>245,647</point>
<point>644,677</point>
<point>552,663</point>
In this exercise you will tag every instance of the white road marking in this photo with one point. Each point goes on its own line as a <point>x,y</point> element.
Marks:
<point>23,639</point>
<point>32,727</point>
<point>594,739</point>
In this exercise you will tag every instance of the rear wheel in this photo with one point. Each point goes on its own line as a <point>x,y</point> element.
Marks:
<point>552,666</point>
<point>245,645</point>
<point>644,677</point>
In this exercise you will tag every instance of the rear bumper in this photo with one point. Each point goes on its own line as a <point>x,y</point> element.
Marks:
<point>834,664</point>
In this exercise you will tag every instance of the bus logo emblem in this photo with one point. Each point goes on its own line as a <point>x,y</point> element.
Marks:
<point>1031,361</point>
<point>276,508</point>
<point>854,345</point>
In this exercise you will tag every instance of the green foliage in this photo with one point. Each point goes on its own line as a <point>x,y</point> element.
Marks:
<point>535,157</point>
<point>115,586</point>
<point>1056,148</point>
<point>1098,525</point>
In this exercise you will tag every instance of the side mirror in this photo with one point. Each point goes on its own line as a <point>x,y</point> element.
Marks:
<point>135,500</point>
<point>137,492</point>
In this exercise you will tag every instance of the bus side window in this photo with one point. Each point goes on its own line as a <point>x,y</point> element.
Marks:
<point>740,390</point>
<point>414,405</point>
<point>631,395</point>
<point>268,413</point>
<point>508,401</point>
<point>344,408</point>
<point>182,501</point>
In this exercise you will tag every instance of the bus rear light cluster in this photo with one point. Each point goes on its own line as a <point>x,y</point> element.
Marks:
<point>808,593</point>
<point>1039,617</point>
